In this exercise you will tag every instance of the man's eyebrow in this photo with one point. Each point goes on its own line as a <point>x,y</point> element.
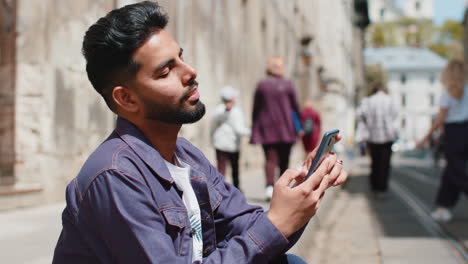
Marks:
<point>164,64</point>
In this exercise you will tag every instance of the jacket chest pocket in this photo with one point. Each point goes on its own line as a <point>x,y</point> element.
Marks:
<point>178,228</point>
<point>215,198</point>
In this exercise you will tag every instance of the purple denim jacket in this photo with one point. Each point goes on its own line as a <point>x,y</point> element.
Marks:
<point>123,207</point>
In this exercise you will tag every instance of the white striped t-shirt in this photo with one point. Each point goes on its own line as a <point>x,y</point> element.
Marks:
<point>181,176</point>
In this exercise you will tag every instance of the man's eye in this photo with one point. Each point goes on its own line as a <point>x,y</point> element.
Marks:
<point>164,74</point>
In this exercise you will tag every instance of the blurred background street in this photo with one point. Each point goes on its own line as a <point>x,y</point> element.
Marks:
<point>334,52</point>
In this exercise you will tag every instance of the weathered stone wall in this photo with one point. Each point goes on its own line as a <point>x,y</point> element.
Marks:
<point>60,119</point>
<point>334,47</point>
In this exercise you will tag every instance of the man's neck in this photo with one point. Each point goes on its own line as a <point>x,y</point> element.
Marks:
<point>163,137</point>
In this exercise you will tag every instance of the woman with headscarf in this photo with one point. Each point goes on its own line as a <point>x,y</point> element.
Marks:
<point>274,105</point>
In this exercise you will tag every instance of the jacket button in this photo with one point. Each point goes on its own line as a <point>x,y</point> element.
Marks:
<point>206,251</point>
<point>193,232</point>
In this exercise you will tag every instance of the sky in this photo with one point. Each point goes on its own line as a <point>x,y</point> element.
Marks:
<point>445,9</point>
<point>448,9</point>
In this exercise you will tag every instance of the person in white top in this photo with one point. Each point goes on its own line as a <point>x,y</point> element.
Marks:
<point>379,114</point>
<point>226,130</point>
<point>453,116</point>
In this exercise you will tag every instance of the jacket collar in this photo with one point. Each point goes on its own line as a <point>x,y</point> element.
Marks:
<point>135,139</point>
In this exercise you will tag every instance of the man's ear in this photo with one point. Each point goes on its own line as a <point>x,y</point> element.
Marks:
<point>126,99</point>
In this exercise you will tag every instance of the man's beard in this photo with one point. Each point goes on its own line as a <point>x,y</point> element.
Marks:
<point>173,114</point>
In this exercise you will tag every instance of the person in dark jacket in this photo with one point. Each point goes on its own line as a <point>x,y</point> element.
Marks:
<point>274,105</point>
<point>147,196</point>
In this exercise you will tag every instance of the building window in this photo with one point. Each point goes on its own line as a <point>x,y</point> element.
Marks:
<point>417,5</point>
<point>382,13</point>
<point>403,122</point>
<point>403,78</point>
<point>432,99</point>
<point>403,99</point>
<point>432,79</point>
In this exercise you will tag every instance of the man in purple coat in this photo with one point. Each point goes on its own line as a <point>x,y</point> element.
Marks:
<point>146,195</point>
<point>272,120</point>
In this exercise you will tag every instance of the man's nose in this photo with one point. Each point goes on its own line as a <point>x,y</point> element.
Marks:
<point>189,73</point>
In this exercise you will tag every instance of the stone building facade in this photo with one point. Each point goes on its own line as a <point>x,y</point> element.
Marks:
<point>52,118</point>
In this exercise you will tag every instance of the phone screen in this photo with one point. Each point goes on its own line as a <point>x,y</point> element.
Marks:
<point>326,145</point>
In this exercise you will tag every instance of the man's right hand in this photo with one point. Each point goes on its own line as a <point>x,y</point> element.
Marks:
<point>292,208</point>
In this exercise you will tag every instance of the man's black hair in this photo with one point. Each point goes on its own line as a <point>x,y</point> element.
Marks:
<point>109,44</point>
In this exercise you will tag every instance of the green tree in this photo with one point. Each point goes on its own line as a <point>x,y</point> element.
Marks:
<point>378,38</point>
<point>451,31</point>
<point>451,50</point>
<point>448,40</point>
<point>402,32</point>
<point>445,40</point>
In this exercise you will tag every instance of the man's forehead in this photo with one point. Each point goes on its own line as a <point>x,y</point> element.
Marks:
<point>160,45</point>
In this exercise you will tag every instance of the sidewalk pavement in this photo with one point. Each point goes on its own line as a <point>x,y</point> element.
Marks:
<point>359,228</point>
<point>29,235</point>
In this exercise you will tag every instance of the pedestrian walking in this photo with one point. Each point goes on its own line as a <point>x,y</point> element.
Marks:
<point>227,127</point>
<point>453,116</point>
<point>274,107</point>
<point>311,123</point>
<point>379,116</point>
<point>147,196</point>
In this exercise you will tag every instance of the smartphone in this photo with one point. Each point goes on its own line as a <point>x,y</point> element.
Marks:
<point>326,145</point>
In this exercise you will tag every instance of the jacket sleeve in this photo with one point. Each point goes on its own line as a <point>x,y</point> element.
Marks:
<point>244,234</point>
<point>293,97</point>
<point>257,104</point>
<point>362,110</point>
<point>245,227</point>
<point>238,123</point>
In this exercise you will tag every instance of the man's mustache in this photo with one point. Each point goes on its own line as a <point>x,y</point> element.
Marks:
<point>192,85</point>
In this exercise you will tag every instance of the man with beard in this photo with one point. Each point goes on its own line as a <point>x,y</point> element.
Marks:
<point>147,196</point>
